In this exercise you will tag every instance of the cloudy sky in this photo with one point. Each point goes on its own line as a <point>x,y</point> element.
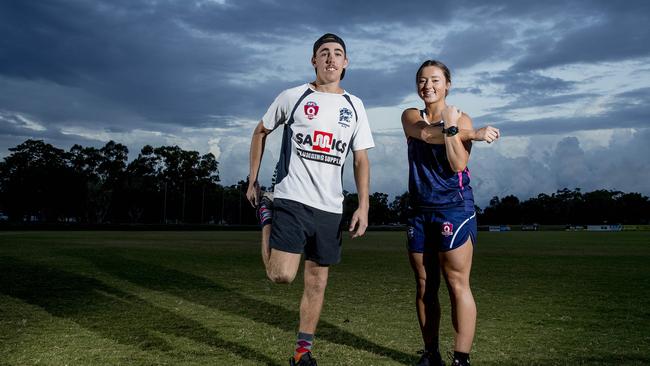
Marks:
<point>566,81</point>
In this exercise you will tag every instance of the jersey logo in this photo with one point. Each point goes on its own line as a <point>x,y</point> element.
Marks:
<point>322,141</point>
<point>447,228</point>
<point>311,110</point>
<point>345,117</point>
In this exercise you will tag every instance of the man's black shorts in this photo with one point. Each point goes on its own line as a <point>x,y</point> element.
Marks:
<point>298,228</point>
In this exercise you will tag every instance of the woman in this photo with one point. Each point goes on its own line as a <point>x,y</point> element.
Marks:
<point>442,226</point>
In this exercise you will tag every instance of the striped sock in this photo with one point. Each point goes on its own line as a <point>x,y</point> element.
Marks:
<point>265,209</point>
<point>303,345</point>
<point>264,215</point>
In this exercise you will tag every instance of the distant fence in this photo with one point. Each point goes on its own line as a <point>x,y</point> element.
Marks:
<point>5,226</point>
<point>535,227</point>
<point>124,227</point>
<point>636,227</point>
<point>604,227</point>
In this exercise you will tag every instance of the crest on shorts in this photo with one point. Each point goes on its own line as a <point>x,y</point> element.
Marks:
<point>410,232</point>
<point>345,117</point>
<point>447,229</point>
<point>311,109</point>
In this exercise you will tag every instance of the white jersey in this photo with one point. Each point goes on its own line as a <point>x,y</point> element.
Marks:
<point>320,129</point>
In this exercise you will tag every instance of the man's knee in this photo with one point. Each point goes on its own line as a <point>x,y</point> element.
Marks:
<point>280,276</point>
<point>316,283</point>
<point>282,266</point>
<point>316,279</point>
<point>280,273</point>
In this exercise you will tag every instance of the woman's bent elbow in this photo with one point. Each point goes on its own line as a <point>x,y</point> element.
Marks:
<point>458,167</point>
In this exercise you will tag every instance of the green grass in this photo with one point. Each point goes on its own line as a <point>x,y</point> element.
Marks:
<point>201,298</point>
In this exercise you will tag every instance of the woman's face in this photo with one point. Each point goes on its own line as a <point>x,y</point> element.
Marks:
<point>432,84</point>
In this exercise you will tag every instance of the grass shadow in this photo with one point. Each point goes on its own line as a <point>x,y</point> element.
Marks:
<point>619,360</point>
<point>203,291</point>
<point>112,313</point>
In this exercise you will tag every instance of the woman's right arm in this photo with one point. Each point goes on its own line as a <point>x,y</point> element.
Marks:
<point>415,127</point>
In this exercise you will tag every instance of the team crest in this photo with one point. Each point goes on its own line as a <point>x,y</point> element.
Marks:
<point>311,110</point>
<point>447,228</point>
<point>345,117</point>
<point>410,232</point>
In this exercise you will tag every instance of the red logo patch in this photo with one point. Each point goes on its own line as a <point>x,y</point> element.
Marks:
<point>322,141</point>
<point>311,110</point>
<point>447,228</point>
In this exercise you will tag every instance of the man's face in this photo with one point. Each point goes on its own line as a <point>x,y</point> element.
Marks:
<point>329,62</point>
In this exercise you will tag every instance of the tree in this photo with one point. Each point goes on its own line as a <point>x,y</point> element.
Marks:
<point>378,213</point>
<point>34,180</point>
<point>400,208</point>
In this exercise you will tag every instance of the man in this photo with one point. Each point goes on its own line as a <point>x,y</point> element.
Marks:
<point>322,123</point>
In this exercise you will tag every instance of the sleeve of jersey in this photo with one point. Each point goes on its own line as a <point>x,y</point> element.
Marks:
<point>362,137</point>
<point>277,112</point>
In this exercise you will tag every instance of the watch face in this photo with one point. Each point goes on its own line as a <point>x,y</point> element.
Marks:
<point>451,131</point>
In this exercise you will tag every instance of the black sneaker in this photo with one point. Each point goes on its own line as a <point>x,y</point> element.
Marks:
<point>305,360</point>
<point>457,362</point>
<point>430,359</point>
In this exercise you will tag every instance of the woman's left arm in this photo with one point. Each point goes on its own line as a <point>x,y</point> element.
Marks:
<point>457,150</point>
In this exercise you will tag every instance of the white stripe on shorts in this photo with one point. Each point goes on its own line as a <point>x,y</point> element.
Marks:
<point>457,230</point>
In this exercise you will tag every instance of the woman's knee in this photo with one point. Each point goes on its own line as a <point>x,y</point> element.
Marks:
<point>457,281</point>
<point>427,289</point>
<point>420,286</point>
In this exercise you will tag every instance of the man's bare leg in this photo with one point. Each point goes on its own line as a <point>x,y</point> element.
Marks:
<point>266,250</point>
<point>312,296</point>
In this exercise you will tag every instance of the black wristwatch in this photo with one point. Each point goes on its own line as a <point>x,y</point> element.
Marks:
<point>451,131</point>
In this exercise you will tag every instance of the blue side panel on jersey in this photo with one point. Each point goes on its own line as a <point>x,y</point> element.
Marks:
<point>282,168</point>
<point>356,116</point>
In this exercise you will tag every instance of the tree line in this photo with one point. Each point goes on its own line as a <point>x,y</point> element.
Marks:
<point>569,207</point>
<point>166,184</point>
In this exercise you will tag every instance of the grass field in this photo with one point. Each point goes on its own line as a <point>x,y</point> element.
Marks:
<point>201,298</point>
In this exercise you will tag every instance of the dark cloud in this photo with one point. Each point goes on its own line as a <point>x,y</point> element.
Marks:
<point>598,32</point>
<point>11,135</point>
<point>568,163</point>
<point>78,71</point>
<point>371,85</point>
<point>480,43</point>
<point>565,125</point>
<point>530,83</point>
<point>266,19</point>
<point>564,163</point>
<point>173,61</point>
<point>624,110</point>
<point>540,101</point>
<point>469,90</point>
<point>126,54</point>
<point>177,62</point>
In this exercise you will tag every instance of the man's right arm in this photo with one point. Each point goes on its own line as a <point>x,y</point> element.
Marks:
<point>257,151</point>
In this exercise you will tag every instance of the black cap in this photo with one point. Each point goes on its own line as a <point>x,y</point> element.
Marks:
<point>330,37</point>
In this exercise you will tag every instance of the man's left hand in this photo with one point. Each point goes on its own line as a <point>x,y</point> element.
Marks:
<point>359,223</point>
